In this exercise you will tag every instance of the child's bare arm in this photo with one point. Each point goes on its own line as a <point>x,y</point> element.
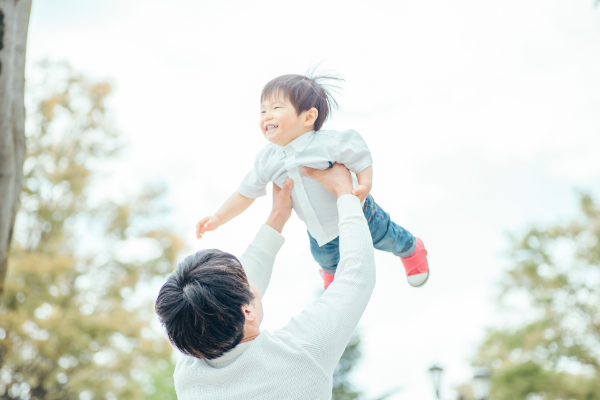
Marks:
<point>365,182</point>
<point>234,206</point>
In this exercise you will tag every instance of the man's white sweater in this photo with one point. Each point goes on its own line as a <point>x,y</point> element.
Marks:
<point>296,361</point>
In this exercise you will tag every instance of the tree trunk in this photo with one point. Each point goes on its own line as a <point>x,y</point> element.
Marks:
<point>14,21</point>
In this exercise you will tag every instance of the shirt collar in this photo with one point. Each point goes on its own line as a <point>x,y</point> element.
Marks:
<point>298,144</point>
<point>233,353</point>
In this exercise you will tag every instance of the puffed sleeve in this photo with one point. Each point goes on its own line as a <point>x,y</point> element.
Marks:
<point>353,152</point>
<point>255,183</point>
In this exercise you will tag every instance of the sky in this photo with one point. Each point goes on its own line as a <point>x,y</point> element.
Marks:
<point>482,118</point>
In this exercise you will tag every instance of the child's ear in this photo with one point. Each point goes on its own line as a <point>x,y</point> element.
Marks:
<point>311,117</point>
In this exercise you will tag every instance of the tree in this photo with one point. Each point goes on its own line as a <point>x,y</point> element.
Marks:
<point>14,21</point>
<point>553,351</point>
<point>343,389</point>
<point>71,324</point>
<point>342,386</point>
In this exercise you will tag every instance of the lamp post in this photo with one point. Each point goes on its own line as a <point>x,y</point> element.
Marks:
<point>481,383</point>
<point>480,386</point>
<point>436,377</point>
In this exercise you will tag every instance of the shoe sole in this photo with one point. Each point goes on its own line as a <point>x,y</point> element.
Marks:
<point>428,270</point>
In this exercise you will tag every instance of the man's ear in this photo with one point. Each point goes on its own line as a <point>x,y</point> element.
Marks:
<point>311,117</point>
<point>248,311</point>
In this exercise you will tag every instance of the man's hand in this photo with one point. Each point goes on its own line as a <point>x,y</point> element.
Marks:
<point>207,224</point>
<point>282,206</point>
<point>336,179</point>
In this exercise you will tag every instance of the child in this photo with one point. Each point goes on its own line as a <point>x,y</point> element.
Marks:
<point>293,109</point>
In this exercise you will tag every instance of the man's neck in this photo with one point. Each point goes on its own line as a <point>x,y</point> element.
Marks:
<point>249,338</point>
<point>250,333</point>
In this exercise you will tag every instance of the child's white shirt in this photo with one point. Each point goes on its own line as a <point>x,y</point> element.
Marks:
<point>312,202</point>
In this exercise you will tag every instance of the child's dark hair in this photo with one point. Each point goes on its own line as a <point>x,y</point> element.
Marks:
<point>306,92</point>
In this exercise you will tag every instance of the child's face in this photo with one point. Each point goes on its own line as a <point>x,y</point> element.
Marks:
<point>280,123</point>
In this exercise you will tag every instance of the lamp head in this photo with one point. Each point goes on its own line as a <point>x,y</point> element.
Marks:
<point>481,383</point>
<point>436,377</point>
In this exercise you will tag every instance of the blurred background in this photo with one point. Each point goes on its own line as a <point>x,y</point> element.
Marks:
<point>483,120</point>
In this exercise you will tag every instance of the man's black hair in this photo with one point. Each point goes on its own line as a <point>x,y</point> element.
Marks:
<point>200,304</point>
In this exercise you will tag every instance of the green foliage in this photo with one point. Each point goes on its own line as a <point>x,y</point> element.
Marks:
<point>554,353</point>
<point>342,386</point>
<point>465,392</point>
<point>343,389</point>
<point>161,376</point>
<point>70,325</point>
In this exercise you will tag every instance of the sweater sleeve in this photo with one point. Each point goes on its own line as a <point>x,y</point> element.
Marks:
<point>259,257</point>
<point>324,328</point>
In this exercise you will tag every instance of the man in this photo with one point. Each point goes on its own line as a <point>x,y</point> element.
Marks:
<point>211,309</point>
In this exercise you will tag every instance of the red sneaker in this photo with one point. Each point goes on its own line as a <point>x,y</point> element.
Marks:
<point>416,266</point>
<point>328,278</point>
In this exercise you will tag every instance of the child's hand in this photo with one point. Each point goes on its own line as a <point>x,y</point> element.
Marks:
<point>361,191</point>
<point>207,224</point>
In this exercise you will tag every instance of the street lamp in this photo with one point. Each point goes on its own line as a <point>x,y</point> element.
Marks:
<point>436,377</point>
<point>481,384</point>
<point>480,387</point>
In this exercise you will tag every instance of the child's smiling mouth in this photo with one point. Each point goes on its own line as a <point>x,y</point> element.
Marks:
<point>270,127</point>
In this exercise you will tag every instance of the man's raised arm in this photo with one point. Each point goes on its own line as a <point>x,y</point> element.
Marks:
<point>325,327</point>
<point>259,258</point>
